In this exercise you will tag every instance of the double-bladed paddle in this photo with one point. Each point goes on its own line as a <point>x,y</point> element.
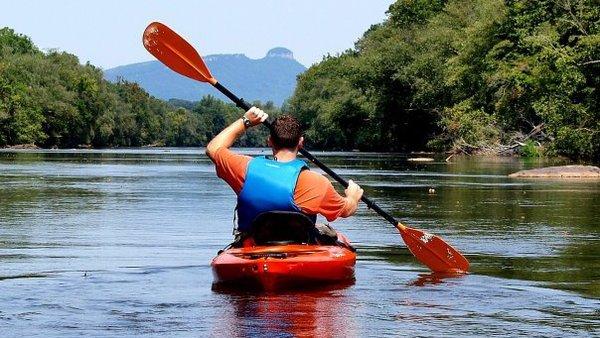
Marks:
<point>177,54</point>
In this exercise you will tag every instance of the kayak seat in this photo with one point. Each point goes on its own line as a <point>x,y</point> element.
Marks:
<point>282,227</point>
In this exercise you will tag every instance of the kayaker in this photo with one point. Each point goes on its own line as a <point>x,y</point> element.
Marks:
<point>280,183</point>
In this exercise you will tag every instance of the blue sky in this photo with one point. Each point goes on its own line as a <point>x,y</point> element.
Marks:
<point>108,33</point>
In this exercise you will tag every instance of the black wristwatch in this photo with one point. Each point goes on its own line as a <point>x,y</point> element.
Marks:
<point>247,122</point>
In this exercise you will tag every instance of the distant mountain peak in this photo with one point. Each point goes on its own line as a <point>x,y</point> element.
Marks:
<point>280,52</point>
<point>214,57</point>
<point>272,78</point>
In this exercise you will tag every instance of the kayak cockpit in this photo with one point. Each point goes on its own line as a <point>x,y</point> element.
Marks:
<point>279,228</point>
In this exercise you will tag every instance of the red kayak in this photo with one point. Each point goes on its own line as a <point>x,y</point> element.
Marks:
<point>283,264</point>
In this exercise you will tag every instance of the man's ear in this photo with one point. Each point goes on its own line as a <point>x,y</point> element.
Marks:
<point>301,142</point>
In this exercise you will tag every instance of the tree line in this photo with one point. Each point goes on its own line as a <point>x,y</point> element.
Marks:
<point>470,76</point>
<point>49,99</point>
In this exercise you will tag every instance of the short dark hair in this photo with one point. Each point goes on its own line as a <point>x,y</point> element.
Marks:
<point>286,132</point>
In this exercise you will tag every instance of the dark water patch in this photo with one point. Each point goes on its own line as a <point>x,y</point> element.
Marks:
<point>25,244</point>
<point>147,270</point>
<point>577,273</point>
<point>27,275</point>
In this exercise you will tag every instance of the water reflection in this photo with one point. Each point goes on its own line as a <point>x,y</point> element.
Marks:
<point>308,313</point>
<point>434,278</point>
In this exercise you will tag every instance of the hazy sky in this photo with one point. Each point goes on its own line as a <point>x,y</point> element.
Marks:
<point>108,33</point>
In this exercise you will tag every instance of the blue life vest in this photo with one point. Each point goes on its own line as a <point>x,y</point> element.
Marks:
<point>269,186</point>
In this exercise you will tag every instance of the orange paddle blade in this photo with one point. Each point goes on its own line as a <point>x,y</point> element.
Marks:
<point>432,251</point>
<point>176,53</point>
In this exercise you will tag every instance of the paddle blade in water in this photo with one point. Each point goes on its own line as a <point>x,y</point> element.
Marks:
<point>432,251</point>
<point>176,53</point>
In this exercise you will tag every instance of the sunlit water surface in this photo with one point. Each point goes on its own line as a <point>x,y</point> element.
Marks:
<point>119,242</point>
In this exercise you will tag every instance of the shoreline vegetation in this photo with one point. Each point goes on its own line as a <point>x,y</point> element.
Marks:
<point>496,77</point>
<point>50,100</point>
<point>490,77</point>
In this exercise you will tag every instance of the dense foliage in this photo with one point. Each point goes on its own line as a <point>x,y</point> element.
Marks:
<point>495,76</point>
<point>468,75</point>
<point>51,100</point>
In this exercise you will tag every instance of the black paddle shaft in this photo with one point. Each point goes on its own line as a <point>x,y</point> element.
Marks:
<point>245,106</point>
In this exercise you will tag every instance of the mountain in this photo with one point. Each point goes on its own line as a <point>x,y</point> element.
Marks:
<point>272,78</point>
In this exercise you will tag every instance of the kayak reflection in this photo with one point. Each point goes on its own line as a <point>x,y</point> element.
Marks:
<point>307,313</point>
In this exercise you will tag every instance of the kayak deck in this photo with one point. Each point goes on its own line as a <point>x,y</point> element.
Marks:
<point>284,266</point>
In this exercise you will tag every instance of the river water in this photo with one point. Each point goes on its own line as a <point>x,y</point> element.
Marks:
<point>119,242</point>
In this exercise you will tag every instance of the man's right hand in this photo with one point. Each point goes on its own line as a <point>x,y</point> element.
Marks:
<point>354,191</point>
<point>353,194</point>
<point>229,135</point>
<point>256,116</point>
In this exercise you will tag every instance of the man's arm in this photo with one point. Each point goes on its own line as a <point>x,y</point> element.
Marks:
<point>229,135</point>
<point>315,194</point>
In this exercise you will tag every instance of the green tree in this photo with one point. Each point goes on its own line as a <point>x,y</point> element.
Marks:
<point>458,73</point>
<point>182,128</point>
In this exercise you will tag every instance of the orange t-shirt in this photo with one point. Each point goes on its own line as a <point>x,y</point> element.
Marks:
<point>314,194</point>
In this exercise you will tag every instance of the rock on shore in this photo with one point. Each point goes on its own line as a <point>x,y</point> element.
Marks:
<point>565,171</point>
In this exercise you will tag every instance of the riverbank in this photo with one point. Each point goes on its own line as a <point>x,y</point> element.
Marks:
<point>566,172</point>
<point>28,146</point>
<point>420,158</point>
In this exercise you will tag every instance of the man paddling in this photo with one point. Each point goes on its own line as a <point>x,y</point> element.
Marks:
<point>280,183</point>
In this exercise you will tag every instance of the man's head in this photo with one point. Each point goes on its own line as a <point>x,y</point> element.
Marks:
<point>286,133</point>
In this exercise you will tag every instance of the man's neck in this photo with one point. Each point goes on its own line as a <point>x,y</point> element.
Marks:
<point>284,155</point>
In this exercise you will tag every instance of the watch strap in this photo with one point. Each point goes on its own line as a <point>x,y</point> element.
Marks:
<point>247,122</point>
